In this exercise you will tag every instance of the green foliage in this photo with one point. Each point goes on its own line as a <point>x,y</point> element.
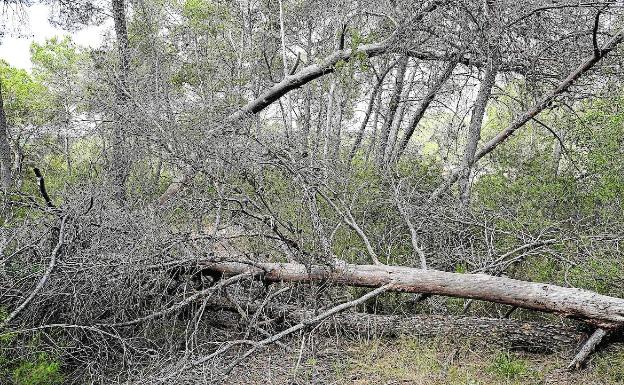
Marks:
<point>508,366</point>
<point>26,100</point>
<point>42,371</point>
<point>26,367</point>
<point>540,269</point>
<point>206,16</point>
<point>56,56</point>
<point>602,275</point>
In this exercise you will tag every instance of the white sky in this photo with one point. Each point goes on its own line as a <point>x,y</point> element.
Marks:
<point>15,48</point>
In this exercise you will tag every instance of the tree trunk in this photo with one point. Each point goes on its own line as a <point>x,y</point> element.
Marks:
<point>398,121</point>
<point>422,108</point>
<point>6,179</point>
<point>557,152</point>
<point>307,102</point>
<point>369,110</point>
<point>119,164</point>
<point>474,130</point>
<point>337,136</point>
<point>329,117</point>
<point>603,311</point>
<point>392,108</point>
<point>506,333</point>
<point>374,133</point>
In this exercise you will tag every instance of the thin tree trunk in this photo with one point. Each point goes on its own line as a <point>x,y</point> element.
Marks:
<point>398,121</point>
<point>373,139</point>
<point>6,179</point>
<point>557,152</point>
<point>329,118</point>
<point>319,130</point>
<point>338,132</point>
<point>422,108</point>
<point>369,110</point>
<point>307,102</point>
<point>392,108</point>
<point>474,129</point>
<point>287,103</point>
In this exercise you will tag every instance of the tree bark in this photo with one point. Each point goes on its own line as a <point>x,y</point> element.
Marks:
<point>422,108</point>
<point>369,111</point>
<point>6,179</point>
<point>603,311</point>
<point>307,102</point>
<point>588,348</point>
<point>329,118</point>
<point>392,108</point>
<point>119,164</point>
<point>528,336</point>
<point>398,120</point>
<point>474,129</point>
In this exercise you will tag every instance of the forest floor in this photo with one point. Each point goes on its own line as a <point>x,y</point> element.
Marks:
<point>421,361</point>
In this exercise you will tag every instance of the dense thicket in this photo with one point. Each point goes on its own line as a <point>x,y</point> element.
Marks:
<point>453,135</point>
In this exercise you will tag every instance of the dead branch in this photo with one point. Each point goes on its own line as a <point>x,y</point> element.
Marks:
<point>44,278</point>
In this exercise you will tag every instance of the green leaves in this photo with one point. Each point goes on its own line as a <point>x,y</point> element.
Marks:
<point>206,16</point>
<point>26,100</point>
<point>55,56</point>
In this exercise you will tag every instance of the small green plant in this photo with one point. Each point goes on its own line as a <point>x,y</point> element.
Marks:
<point>508,366</point>
<point>43,371</point>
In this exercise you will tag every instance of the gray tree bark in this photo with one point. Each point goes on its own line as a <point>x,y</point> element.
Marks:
<point>6,179</point>
<point>474,129</point>
<point>368,113</point>
<point>422,108</point>
<point>398,120</point>
<point>393,105</point>
<point>119,163</point>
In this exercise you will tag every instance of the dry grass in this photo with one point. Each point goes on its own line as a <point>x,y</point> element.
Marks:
<point>426,362</point>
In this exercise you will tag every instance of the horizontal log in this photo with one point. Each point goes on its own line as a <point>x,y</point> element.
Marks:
<point>603,311</point>
<point>534,337</point>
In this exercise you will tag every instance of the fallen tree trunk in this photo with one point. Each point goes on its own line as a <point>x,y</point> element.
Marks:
<point>534,337</point>
<point>603,311</point>
<point>512,334</point>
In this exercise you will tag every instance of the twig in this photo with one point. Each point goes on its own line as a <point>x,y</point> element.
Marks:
<point>295,328</point>
<point>306,323</point>
<point>69,326</point>
<point>186,302</point>
<point>45,276</point>
<point>350,221</point>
